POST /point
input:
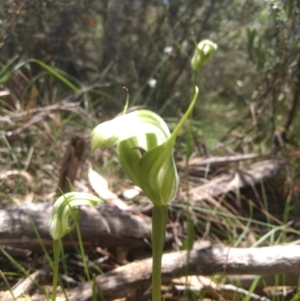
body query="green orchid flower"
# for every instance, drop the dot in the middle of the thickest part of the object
(65, 208)
(203, 52)
(145, 150)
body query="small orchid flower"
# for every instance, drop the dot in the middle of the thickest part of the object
(203, 52)
(65, 208)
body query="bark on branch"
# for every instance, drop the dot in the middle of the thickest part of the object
(106, 226)
(203, 260)
(236, 180)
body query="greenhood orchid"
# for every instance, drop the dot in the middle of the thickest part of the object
(64, 211)
(203, 53)
(145, 150)
(66, 207)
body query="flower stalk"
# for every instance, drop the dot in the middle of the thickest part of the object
(159, 225)
(145, 150)
(65, 209)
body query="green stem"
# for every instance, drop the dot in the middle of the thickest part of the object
(56, 249)
(159, 225)
(194, 78)
(84, 259)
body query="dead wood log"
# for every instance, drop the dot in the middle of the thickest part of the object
(234, 181)
(27, 285)
(216, 161)
(106, 226)
(215, 291)
(245, 281)
(203, 260)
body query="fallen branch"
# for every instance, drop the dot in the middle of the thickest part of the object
(106, 226)
(236, 180)
(216, 161)
(203, 260)
(109, 226)
(245, 281)
(27, 285)
(221, 292)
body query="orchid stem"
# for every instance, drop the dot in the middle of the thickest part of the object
(159, 225)
(56, 252)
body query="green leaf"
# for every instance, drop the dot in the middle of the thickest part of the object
(4, 78)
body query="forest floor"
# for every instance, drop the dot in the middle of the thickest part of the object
(225, 199)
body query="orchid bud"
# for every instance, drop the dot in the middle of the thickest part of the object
(203, 52)
(66, 206)
(145, 150)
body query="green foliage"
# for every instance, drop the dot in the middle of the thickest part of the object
(273, 46)
(7, 75)
(145, 48)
